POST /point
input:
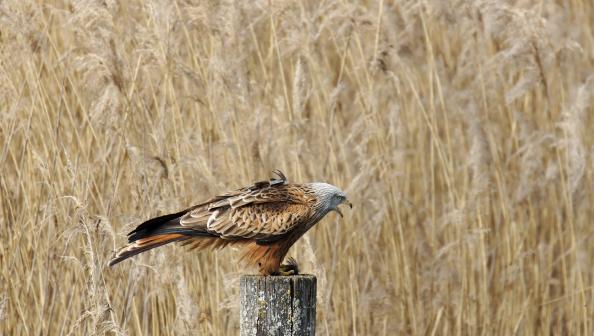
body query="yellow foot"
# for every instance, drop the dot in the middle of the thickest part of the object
(290, 268)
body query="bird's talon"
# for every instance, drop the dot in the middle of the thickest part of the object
(290, 268)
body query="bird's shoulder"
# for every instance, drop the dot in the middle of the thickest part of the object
(262, 192)
(262, 196)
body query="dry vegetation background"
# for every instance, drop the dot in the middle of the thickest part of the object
(461, 130)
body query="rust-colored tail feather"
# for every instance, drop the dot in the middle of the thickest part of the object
(145, 244)
(157, 232)
(202, 243)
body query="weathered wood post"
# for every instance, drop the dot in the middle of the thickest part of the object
(278, 305)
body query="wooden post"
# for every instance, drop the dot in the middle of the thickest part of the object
(278, 305)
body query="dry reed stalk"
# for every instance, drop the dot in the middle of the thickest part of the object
(462, 134)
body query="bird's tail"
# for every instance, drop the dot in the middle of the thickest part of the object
(158, 232)
(145, 244)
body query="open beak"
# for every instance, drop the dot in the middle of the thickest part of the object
(345, 202)
(339, 212)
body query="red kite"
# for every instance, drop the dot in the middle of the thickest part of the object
(264, 219)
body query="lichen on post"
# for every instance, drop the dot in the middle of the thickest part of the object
(278, 305)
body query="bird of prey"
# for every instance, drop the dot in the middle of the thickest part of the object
(264, 220)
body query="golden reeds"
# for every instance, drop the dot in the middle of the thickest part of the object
(463, 134)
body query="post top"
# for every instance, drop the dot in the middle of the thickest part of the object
(278, 305)
(280, 277)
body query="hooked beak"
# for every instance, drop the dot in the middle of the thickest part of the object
(347, 202)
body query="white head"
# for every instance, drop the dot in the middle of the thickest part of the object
(330, 197)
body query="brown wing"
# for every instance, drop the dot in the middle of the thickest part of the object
(260, 221)
(258, 214)
(262, 211)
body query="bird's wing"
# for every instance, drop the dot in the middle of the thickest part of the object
(261, 212)
(261, 221)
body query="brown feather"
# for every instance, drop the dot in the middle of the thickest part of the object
(137, 247)
(201, 243)
(266, 257)
(265, 219)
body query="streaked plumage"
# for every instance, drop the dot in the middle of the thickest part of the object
(264, 219)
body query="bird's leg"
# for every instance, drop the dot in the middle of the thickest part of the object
(290, 268)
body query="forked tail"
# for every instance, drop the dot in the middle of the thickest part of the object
(158, 232)
(145, 244)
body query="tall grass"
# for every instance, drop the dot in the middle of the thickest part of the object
(462, 132)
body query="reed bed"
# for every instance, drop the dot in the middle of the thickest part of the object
(462, 132)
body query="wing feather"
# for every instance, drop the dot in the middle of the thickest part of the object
(260, 221)
(261, 211)
(257, 215)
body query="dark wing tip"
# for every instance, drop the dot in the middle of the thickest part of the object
(153, 224)
(281, 177)
(114, 261)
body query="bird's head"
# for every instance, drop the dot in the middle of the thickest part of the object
(330, 197)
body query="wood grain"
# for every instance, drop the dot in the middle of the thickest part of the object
(278, 305)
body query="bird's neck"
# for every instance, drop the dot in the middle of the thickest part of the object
(320, 212)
